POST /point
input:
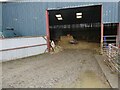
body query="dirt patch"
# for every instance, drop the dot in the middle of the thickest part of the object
(65, 44)
(90, 80)
(0, 75)
(66, 69)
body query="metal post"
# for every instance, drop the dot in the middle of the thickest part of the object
(47, 31)
(102, 27)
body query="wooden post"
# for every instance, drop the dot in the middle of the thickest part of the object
(47, 31)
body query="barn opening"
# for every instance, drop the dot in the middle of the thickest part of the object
(110, 34)
(82, 23)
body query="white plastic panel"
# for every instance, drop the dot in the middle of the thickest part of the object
(21, 53)
(13, 53)
(21, 42)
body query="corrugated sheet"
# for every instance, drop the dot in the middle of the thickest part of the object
(64, 0)
(28, 19)
(25, 18)
(119, 11)
(0, 17)
(110, 12)
(110, 9)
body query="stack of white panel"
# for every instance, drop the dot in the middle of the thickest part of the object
(16, 48)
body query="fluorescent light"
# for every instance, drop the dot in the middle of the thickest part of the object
(60, 18)
(78, 16)
(59, 15)
(78, 13)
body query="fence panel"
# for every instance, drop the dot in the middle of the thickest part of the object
(113, 58)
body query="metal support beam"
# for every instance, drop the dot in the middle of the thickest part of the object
(47, 31)
(102, 29)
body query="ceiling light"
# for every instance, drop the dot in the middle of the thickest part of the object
(59, 15)
(60, 18)
(78, 14)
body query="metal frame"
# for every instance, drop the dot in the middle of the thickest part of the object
(112, 58)
(102, 30)
(47, 31)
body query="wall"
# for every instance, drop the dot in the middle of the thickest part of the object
(119, 12)
(28, 19)
(24, 18)
(119, 22)
(0, 25)
(0, 17)
(16, 48)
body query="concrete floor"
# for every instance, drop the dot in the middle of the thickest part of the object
(66, 69)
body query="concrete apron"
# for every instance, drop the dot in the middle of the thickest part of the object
(112, 78)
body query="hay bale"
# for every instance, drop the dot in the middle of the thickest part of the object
(66, 38)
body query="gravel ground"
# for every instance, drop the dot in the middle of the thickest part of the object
(0, 75)
(66, 69)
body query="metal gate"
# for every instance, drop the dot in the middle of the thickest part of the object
(113, 58)
(111, 51)
(108, 39)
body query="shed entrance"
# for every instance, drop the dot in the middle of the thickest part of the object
(81, 24)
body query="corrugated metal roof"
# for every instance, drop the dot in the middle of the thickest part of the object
(61, 0)
(110, 9)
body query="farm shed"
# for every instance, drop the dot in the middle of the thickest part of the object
(0, 18)
(28, 27)
(17, 15)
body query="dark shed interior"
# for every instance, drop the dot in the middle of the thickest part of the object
(87, 27)
(110, 29)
